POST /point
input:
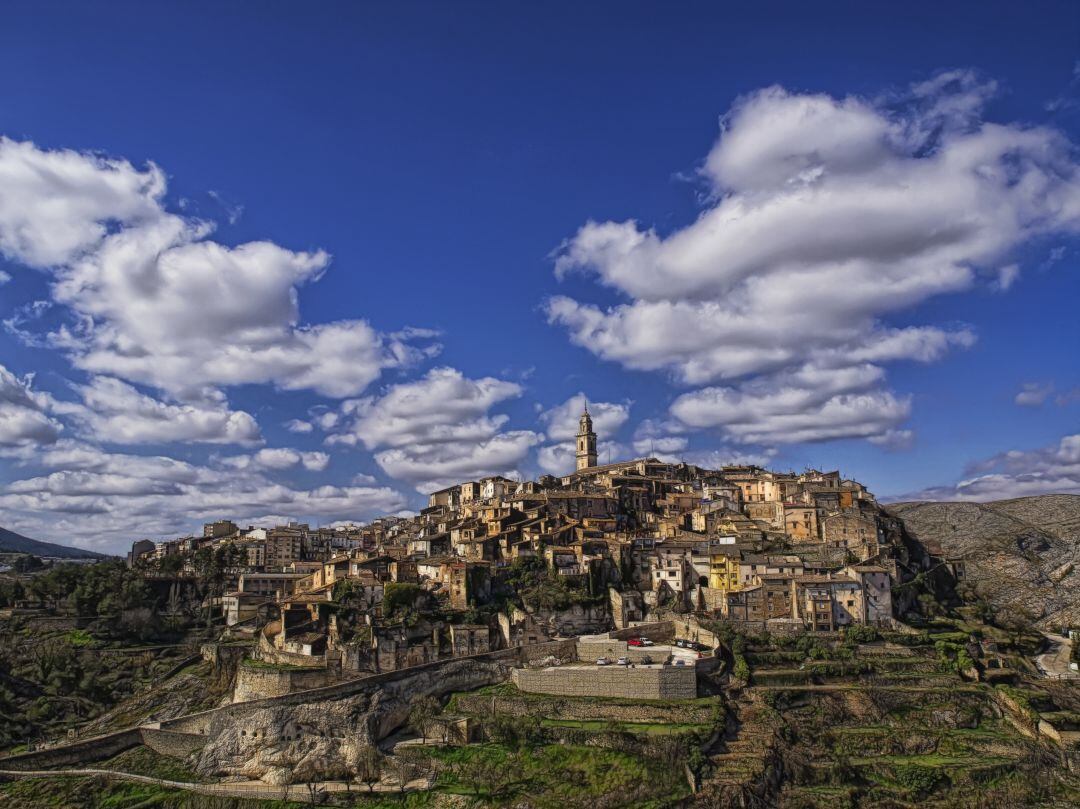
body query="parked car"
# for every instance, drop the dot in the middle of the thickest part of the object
(603, 661)
(682, 644)
(646, 642)
(623, 661)
(680, 662)
(635, 642)
(699, 647)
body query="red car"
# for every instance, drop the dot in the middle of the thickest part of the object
(635, 642)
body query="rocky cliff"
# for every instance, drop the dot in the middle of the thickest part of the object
(315, 741)
(1020, 555)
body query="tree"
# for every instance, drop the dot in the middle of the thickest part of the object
(366, 764)
(407, 765)
(422, 714)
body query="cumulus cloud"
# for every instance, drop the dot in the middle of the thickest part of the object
(279, 458)
(828, 215)
(23, 417)
(105, 500)
(809, 404)
(299, 426)
(115, 412)
(438, 429)
(1019, 473)
(154, 300)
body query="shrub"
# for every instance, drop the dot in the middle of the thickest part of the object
(918, 780)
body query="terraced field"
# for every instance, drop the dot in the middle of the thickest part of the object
(891, 725)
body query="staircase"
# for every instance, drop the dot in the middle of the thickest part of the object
(744, 767)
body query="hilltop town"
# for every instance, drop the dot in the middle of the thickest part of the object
(602, 547)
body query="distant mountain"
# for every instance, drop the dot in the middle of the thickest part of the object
(1021, 554)
(10, 542)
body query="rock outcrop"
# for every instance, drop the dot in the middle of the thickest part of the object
(292, 743)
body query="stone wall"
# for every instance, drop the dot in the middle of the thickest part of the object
(689, 628)
(576, 620)
(258, 683)
(657, 631)
(661, 682)
(589, 649)
(483, 705)
(92, 749)
(170, 743)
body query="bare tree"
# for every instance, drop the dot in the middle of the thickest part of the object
(367, 764)
(422, 714)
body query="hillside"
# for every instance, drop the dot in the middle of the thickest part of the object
(10, 542)
(1019, 554)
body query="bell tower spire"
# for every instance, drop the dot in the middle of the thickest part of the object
(586, 441)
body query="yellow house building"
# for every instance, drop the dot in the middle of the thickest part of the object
(724, 572)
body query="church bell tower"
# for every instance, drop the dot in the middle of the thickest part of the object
(586, 441)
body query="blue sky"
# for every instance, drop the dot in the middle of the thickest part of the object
(445, 156)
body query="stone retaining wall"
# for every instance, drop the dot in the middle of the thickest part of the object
(170, 743)
(96, 748)
(483, 705)
(658, 632)
(662, 682)
(258, 683)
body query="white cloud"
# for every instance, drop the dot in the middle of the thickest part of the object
(437, 429)
(809, 404)
(434, 466)
(4, 277)
(1033, 394)
(278, 458)
(23, 417)
(828, 215)
(561, 422)
(155, 301)
(55, 205)
(1018, 473)
(667, 445)
(726, 456)
(105, 500)
(299, 426)
(115, 412)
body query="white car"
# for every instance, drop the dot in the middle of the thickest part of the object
(623, 661)
(603, 661)
(647, 642)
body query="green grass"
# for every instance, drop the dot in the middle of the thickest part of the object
(935, 760)
(650, 728)
(78, 637)
(144, 761)
(557, 776)
(95, 793)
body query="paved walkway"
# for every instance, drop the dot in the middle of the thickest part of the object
(242, 789)
(1054, 663)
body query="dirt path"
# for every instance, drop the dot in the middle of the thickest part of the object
(249, 789)
(1054, 663)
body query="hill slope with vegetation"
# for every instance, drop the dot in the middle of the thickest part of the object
(1020, 556)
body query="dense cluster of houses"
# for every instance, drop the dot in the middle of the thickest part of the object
(805, 551)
